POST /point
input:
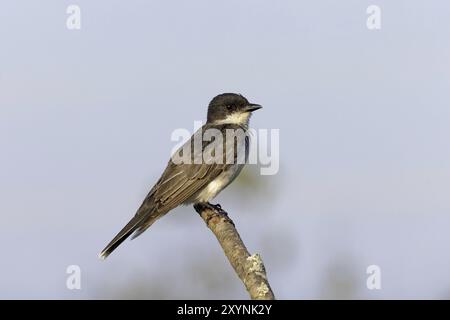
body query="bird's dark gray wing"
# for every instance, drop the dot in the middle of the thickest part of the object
(178, 184)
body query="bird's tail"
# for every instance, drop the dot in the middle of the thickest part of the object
(131, 227)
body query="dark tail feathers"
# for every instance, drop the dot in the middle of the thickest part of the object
(131, 226)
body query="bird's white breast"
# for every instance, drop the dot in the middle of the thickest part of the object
(218, 184)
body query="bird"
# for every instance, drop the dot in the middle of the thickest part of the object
(197, 182)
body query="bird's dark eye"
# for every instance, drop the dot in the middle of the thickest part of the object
(229, 107)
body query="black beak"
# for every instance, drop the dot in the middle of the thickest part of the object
(252, 107)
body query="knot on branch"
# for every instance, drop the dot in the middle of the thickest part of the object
(255, 265)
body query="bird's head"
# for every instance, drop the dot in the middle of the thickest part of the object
(230, 108)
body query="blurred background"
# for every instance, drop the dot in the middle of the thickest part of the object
(85, 123)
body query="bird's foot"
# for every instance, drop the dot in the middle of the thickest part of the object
(200, 207)
(216, 208)
(216, 211)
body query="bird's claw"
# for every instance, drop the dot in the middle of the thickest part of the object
(214, 207)
(218, 208)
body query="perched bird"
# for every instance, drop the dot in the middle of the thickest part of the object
(197, 182)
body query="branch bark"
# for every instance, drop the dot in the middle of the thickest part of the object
(249, 268)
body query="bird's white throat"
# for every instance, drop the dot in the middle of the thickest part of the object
(239, 118)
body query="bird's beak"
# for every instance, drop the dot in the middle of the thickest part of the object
(252, 107)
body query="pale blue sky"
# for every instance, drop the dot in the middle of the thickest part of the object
(85, 124)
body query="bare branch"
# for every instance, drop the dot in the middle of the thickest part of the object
(249, 268)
